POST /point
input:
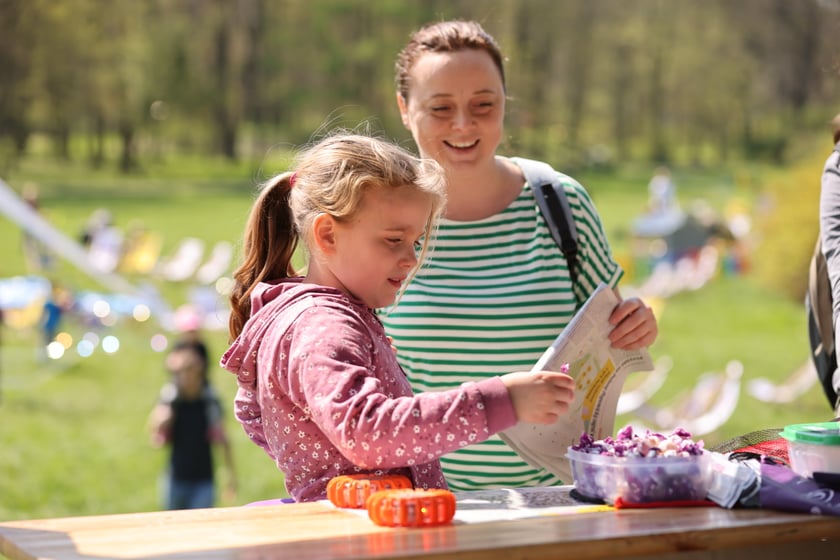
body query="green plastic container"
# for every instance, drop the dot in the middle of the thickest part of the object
(813, 448)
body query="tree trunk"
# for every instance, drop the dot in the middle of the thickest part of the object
(127, 160)
(580, 65)
(225, 123)
(622, 80)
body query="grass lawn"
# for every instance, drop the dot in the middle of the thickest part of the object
(72, 431)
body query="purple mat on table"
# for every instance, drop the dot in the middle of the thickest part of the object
(782, 489)
(275, 502)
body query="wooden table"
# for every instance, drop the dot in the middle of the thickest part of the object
(317, 531)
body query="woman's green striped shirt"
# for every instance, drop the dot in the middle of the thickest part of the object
(490, 297)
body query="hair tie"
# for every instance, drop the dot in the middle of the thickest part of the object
(292, 179)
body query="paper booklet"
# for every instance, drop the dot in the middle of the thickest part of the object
(599, 371)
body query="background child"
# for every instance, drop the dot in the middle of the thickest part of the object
(320, 389)
(188, 418)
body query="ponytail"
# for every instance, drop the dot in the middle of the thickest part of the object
(269, 242)
(331, 178)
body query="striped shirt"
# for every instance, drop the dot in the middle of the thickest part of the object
(490, 297)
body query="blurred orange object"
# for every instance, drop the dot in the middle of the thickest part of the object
(411, 508)
(353, 490)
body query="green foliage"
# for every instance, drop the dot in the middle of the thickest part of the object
(787, 225)
(681, 82)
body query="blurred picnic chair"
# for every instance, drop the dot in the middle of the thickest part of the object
(709, 404)
(141, 252)
(105, 248)
(217, 264)
(182, 264)
(22, 300)
(632, 398)
(797, 383)
(687, 273)
(723, 405)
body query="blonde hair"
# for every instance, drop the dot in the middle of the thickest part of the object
(331, 177)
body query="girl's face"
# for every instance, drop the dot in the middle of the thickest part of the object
(455, 107)
(374, 252)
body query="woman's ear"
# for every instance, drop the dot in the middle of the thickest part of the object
(323, 233)
(401, 103)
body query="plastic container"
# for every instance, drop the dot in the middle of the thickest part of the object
(640, 479)
(813, 448)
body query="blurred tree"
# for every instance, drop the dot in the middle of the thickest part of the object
(580, 65)
(17, 37)
(641, 79)
(660, 55)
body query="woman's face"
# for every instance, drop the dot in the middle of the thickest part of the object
(455, 107)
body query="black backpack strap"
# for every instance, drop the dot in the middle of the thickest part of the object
(552, 201)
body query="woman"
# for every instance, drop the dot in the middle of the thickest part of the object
(496, 290)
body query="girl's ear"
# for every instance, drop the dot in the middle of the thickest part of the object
(323, 233)
(403, 109)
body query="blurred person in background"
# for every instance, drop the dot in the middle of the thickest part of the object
(103, 240)
(37, 256)
(59, 302)
(662, 193)
(188, 419)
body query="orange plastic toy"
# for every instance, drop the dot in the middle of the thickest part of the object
(353, 490)
(411, 508)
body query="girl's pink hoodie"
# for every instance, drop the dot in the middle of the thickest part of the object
(320, 390)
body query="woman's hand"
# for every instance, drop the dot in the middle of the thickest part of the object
(634, 325)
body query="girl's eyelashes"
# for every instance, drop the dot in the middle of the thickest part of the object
(396, 242)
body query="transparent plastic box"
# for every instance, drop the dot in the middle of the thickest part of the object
(813, 448)
(640, 479)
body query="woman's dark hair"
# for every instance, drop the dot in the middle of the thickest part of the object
(445, 37)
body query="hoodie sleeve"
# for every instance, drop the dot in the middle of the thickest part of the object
(344, 373)
(241, 360)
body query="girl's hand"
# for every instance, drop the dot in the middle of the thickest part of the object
(634, 325)
(540, 397)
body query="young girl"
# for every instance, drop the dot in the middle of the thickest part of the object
(320, 389)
